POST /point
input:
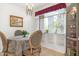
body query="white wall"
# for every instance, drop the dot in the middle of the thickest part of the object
(17, 9)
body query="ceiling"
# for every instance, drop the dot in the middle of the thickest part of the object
(37, 6)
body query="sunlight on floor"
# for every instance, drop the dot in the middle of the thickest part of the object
(49, 52)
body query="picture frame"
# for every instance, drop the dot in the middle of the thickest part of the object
(16, 21)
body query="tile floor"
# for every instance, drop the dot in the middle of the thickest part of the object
(49, 52)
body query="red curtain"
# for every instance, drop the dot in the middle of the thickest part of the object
(52, 8)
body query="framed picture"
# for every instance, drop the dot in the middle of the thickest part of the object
(16, 21)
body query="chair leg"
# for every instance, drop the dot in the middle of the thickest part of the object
(5, 54)
(31, 51)
(39, 50)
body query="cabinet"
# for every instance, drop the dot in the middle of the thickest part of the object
(72, 32)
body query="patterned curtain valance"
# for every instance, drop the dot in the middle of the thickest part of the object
(52, 8)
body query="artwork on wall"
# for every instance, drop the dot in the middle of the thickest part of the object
(16, 21)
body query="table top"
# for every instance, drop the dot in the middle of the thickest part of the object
(19, 38)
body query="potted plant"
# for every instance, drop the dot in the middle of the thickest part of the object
(72, 52)
(46, 30)
(24, 33)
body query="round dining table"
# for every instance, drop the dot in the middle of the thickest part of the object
(17, 45)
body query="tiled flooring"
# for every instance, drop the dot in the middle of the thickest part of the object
(49, 52)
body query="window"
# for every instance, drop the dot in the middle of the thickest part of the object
(46, 24)
(55, 23)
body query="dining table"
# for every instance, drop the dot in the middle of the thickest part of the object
(17, 45)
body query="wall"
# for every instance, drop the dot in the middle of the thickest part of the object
(17, 9)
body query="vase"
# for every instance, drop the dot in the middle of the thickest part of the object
(24, 35)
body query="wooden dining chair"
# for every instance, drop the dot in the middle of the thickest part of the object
(34, 43)
(6, 51)
(4, 43)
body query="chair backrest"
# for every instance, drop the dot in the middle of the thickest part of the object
(36, 38)
(18, 33)
(4, 41)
